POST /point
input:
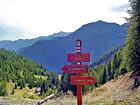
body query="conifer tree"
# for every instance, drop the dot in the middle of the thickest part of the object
(132, 49)
(104, 78)
(3, 91)
(109, 71)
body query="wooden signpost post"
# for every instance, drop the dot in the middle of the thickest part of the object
(78, 68)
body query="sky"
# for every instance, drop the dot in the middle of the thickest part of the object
(32, 18)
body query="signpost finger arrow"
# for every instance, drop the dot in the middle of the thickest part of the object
(75, 69)
(78, 57)
(82, 80)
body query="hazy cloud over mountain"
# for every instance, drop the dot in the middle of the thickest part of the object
(121, 8)
(51, 16)
(11, 33)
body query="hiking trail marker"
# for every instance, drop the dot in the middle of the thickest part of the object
(78, 68)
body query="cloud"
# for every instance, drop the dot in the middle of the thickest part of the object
(51, 16)
(11, 33)
(121, 8)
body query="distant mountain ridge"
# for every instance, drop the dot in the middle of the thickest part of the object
(21, 43)
(106, 58)
(98, 38)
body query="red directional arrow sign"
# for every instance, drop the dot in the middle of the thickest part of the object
(78, 57)
(82, 80)
(75, 69)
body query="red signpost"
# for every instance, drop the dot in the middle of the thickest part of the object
(78, 69)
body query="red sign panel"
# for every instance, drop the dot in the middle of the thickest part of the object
(79, 57)
(75, 69)
(82, 80)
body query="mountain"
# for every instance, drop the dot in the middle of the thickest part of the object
(98, 38)
(59, 34)
(106, 58)
(21, 43)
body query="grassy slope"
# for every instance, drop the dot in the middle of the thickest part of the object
(25, 92)
(115, 92)
(20, 97)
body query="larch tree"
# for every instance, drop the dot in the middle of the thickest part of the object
(132, 49)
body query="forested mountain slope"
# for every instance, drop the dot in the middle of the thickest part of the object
(22, 73)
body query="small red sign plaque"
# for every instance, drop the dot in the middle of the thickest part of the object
(82, 80)
(75, 69)
(79, 57)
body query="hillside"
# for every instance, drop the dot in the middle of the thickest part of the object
(95, 36)
(20, 77)
(115, 92)
(106, 58)
(11, 64)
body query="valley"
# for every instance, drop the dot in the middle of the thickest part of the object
(45, 50)
(115, 92)
(69, 52)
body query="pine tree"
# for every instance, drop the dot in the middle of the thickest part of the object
(104, 78)
(3, 91)
(132, 49)
(109, 71)
(15, 86)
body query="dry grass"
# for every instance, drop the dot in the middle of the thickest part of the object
(115, 92)
(17, 101)
(23, 93)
